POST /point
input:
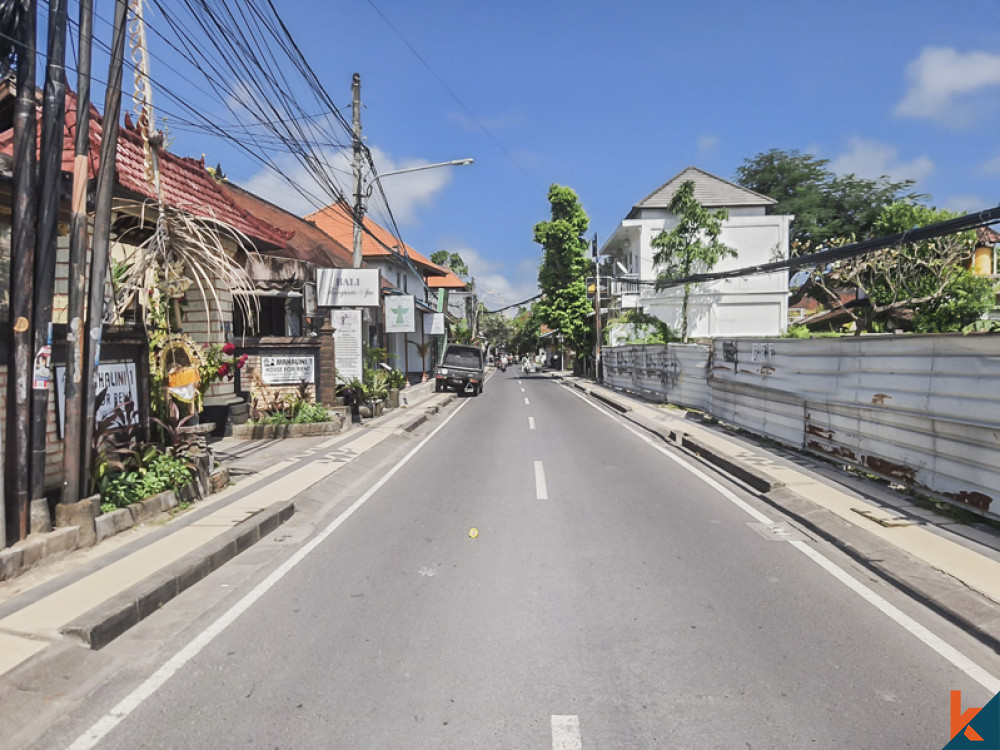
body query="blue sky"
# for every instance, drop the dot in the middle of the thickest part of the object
(614, 98)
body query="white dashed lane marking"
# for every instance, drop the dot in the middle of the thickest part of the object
(566, 733)
(531, 423)
(541, 491)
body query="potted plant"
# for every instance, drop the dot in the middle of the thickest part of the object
(375, 387)
(397, 380)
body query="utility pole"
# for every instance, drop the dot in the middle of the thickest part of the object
(46, 238)
(23, 213)
(93, 329)
(597, 314)
(359, 196)
(77, 262)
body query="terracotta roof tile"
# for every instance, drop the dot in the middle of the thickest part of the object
(337, 220)
(450, 281)
(307, 242)
(186, 185)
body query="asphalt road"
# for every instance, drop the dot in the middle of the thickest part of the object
(611, 599)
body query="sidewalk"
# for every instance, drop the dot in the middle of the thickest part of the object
(96, 594)
(952, 567)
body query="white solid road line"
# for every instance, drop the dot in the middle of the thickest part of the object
(531, 423)
(939, 645)
(541, 491)
(133, 700)
(566, 733)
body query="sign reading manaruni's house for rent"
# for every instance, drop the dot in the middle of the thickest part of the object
(286, 370)
(347, 287)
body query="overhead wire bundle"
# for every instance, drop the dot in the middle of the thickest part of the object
(247, 82)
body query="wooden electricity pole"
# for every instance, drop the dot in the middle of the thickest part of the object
(359, 195)
(94, 327)
(23, 212)
(77, 264)
(46, 238)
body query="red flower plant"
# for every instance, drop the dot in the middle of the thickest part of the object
(223, 370)
(228, 348)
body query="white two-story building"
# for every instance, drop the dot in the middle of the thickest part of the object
(746, 306)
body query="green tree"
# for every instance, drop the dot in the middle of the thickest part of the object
(562, 276)
(496, 329)
(452, 261)
(690, 247)
(924, 286)
(826, 206)
(525, 329)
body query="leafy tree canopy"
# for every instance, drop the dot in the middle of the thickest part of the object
(562, 276)
(525, 329)
(452, 261)
(924, 286)
(826, 206)
(692, 246)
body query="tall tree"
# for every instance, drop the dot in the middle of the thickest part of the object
(562, 276)
(826, 206)
(924, 286)
(690, 247)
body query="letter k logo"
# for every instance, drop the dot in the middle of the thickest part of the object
(960, 720)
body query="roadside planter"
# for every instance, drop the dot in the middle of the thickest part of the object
(249, 431)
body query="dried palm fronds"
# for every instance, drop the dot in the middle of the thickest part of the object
(185, 249)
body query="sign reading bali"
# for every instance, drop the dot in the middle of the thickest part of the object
(347, 287)
(279, 370)
(399, 315)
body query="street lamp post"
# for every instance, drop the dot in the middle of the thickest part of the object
(359, 192)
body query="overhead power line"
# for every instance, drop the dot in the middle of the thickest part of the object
(855, 249)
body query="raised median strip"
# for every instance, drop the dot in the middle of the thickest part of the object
(102, 624)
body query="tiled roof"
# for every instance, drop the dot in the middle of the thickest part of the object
(337, 220)
(451, 281)
(186, 185)
(308, 242)
(709, 190)
(987, 236)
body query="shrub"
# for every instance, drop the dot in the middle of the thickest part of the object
(157, 472)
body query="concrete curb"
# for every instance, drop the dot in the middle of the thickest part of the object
(107, 621)
(415, 423)
(975, 613)
(759, 480)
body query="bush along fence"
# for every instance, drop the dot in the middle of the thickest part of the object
(921, 411)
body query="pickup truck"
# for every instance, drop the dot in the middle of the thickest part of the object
(461, 367)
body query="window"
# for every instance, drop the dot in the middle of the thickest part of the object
(277, 316)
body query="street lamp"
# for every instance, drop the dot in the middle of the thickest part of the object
(359, 208)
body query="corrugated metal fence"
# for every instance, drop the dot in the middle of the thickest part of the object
(923, 411)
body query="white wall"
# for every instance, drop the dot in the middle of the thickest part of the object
(745, 306)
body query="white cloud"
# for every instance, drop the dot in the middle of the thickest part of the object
(406, 193)
(941, 81)
(866, 157)
(965, 203)
(707, 143)
(992, 167)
